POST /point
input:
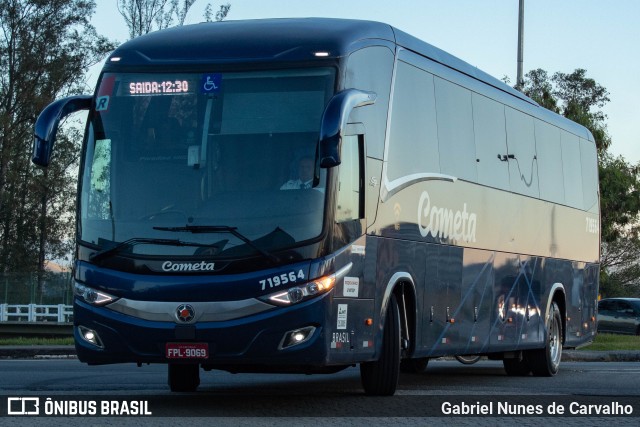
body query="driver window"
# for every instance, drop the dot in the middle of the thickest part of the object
(349, 197)
(100, 184)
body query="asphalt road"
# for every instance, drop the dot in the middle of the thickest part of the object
(264, 399)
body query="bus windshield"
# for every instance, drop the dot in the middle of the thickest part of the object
(170, 155)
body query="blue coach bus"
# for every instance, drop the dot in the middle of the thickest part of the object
(303, 195)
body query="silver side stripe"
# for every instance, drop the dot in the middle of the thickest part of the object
(217, 311)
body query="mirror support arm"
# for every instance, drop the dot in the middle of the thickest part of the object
(334, 120)
(46, 126)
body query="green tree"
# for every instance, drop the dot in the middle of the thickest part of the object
(220, 15)
(575, 96)
(580, 99)
(538, 86)
(620, 226)
(46, 46)
(144, 16)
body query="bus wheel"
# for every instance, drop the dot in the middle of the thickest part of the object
(184, 378)
(546, 361)
(468, 359)
(380, 378)
(414, 366)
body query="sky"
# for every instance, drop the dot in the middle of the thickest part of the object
(559, 35)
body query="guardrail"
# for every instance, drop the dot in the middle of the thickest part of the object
(36, 313)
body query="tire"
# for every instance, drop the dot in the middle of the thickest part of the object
(469, 359)
(184, 378)
(380, 378)
(517, 367)
(414, 366)
(545, 362)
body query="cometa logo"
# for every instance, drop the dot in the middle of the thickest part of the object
(446, 223)
(188, 266)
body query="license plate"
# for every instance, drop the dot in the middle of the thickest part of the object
(180, 350)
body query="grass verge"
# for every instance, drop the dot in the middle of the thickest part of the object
(612, 342)
(36, 341)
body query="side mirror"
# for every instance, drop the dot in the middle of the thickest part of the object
(47, 125)
(334, 119)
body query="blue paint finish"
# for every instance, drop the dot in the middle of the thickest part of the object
(476, 301)
(252, 339)
(180, 287)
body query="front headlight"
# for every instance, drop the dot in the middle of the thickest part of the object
(306, 291)
(92, 296)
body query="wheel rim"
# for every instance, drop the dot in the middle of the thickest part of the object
(555, 346)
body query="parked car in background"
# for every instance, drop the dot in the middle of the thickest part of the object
(619, 315)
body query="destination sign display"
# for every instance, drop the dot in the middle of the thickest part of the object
(151, 87)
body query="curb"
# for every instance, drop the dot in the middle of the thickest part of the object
(37, 352)
(601, 356)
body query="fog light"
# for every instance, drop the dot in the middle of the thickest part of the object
(296, 337)
(90, 336)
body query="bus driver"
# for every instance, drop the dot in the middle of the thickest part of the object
(305, 176)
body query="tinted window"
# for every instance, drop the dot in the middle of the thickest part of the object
(455, 130)
(413, 141)
(371, 69)
(167, 150)
(549, 153)
(605, 306)
(523, 169)
(491, 141)
(589, 175)
(624, 308)
(348, 197)
(572, 170)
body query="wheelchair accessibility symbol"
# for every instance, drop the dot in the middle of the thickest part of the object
(210, 83)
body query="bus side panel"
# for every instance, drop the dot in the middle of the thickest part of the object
(582, 292)
(471, 307)
(349, 338)
(516, 315)
(476, 301)
(443, 293)
(400, 261)
(476, 312)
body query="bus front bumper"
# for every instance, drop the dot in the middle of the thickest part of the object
(105, 336)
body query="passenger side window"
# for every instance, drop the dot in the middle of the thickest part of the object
(549, 153)
(491, 141)
(572, 170)
(455, 130)
(413, 140)
(523, 167)
(589, 175)
(604, 307)
(349, 199)
(624, 309)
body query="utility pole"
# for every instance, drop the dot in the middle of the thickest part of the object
(520, 78)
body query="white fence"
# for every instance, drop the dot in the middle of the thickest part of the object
(59, 313)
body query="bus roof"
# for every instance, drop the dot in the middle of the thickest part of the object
(293, 40)
(270, 40)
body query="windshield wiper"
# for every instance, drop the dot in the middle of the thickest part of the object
(221, 229)
(97, 256)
